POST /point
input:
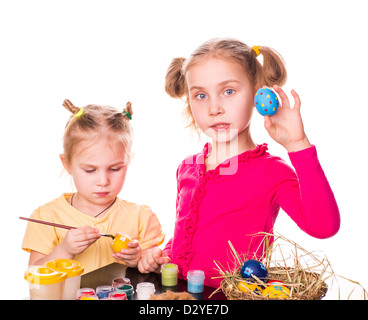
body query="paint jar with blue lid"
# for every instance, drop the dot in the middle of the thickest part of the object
(195, 281)
(103, 291)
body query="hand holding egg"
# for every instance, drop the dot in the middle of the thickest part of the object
(121, 242)
(285, 126)
(126, 249)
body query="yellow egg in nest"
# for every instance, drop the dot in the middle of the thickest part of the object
(120, 242)
(276, 291)
(247, 286)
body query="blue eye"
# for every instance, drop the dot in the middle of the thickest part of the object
(229, 92)
(201, 96)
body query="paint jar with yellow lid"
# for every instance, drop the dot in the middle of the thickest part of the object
(45, 283)
(73, 270)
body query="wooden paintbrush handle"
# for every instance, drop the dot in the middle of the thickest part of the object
(48, 223)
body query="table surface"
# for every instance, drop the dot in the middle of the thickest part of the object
(105, 275)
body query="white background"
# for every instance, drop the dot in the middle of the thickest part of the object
(109, 52)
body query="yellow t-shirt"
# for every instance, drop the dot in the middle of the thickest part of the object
(138, 221)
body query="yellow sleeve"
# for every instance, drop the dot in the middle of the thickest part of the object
(150, 231)
(38, 237)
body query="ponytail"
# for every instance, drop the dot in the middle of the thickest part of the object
(175, 85)
(128, 111)
(70, 107)
(273, 70)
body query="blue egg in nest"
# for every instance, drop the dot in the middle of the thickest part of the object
(256, 268)
(266, 102)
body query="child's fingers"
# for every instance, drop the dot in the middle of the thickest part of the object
(269, 126)
(130, 252)
(152, 259)
(133, 244)
(126, 257)
(145, 266)
(85, 236)
(160, 256)
(134, 248)
(79, 239)
(296, 99)
(164, 260)
(85, 233)
(87, 230)
(122, 256)
(283, 96)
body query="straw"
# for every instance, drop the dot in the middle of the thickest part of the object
(303, 272)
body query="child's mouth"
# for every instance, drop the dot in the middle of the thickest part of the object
(101, 194)
(220, 126)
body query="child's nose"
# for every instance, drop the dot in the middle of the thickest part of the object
(103, 179)
(215, 108)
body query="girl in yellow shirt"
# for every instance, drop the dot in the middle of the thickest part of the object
(97, 150)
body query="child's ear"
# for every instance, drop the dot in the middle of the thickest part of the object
(65, 163)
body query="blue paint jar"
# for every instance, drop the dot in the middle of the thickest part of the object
(195, 281)
(103, 291)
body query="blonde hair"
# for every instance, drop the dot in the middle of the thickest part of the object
(96, 120)
(271, 72)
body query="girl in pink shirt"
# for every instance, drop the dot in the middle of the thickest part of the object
(234, 188)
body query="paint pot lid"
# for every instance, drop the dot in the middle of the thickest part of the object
(71, 267)
(169, 267)
(104, 288)
(43, 275)
(117, 295)
(195, 275)
(144, 287)
(126, 288)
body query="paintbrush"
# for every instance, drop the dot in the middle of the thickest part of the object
(61, 226)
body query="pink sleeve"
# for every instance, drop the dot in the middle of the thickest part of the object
(305, 196)
(167, 249)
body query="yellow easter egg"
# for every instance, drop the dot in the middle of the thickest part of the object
(247, 286)
(120, 242)
(276, 291)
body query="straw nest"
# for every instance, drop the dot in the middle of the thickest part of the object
(301, 271)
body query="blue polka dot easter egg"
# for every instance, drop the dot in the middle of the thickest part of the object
(256, 268)
(266, 102)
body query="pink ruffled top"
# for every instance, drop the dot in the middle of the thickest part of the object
(241, 197)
